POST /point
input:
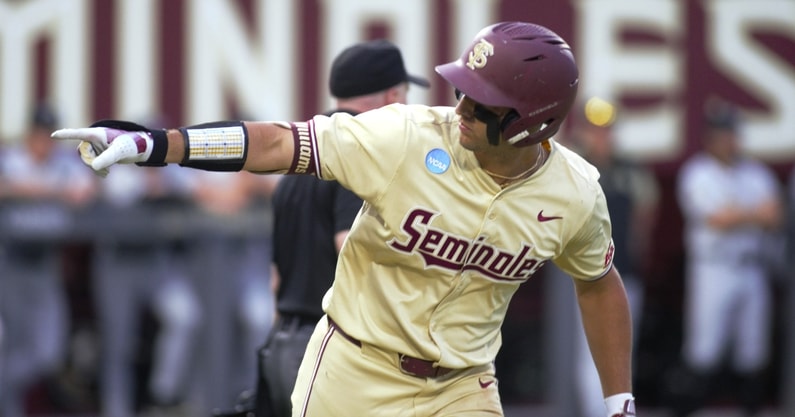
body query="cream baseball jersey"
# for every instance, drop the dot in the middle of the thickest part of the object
(439, 249)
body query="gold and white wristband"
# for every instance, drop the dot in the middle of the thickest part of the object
(218, 146)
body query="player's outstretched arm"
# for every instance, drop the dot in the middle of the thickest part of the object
(220, 146)
(607, 323)
(271, 147)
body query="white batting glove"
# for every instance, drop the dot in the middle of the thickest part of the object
(109, 142)
(620, 405)
(101, 147)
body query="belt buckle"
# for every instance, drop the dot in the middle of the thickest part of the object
(405, 361)
(402, 358)
(420, 372)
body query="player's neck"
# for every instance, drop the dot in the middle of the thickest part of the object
(510, 164)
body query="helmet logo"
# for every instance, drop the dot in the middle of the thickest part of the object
(479, 54)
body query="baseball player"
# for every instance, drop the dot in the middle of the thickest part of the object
(313, 218)
(461, 206)
(728, 202)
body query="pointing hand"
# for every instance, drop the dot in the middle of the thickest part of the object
(101, 147)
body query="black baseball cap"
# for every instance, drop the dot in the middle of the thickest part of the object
(369, 67)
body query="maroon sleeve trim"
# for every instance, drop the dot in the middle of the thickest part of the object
(305, 158)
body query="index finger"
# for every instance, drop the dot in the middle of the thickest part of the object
(91, 134)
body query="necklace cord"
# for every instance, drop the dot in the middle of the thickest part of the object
(521, 174)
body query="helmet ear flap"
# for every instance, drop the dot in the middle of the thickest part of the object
(509, 118)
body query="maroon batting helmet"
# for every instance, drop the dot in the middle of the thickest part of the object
(522, 66)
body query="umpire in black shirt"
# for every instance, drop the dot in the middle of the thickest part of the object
(311, 221)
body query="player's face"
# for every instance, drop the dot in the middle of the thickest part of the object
(472, 126)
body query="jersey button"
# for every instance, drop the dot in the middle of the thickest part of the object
(492, 216)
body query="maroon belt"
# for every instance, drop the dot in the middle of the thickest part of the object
(350, 338)
(408, 365)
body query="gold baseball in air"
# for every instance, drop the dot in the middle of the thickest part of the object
(599, 112)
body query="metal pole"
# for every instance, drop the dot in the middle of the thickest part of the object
(559, 332)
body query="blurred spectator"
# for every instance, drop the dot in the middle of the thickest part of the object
(2, 262)
(787, 391)
(790, 224)
(729, 202)
(234, 253)
(42, 183)
(140, 272)
(632, 195)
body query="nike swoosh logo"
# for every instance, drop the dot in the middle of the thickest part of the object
(543, 218)
(486, 384)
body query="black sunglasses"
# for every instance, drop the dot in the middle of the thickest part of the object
(481, 113)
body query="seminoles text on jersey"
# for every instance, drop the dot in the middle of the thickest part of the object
(441, 249)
